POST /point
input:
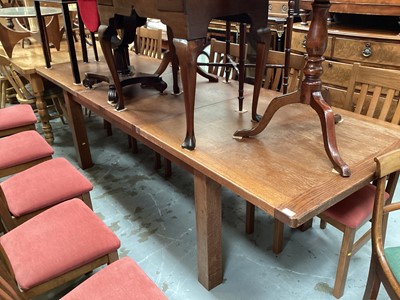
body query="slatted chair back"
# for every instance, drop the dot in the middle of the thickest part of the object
(218, 55)
(150, 41)
(273, 78)
(374, 92)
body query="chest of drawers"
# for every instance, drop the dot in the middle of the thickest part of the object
(346, 44)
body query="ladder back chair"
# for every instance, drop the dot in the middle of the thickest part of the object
(149, 42)
(385, 262)
(274, 71)
(374, 92)
(218, 56)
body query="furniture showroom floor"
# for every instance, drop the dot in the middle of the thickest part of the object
(155, 221)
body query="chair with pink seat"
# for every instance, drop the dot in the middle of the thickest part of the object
(53, 248)
(21, 151)
(34, 190)
(16, 118)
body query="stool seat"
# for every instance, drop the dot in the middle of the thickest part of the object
(121, 280)
(56, 241)
(22, 148)
(16, 118)
(42, 186)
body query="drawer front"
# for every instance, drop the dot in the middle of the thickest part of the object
(299, 43)
(367, 52)
(335, 73)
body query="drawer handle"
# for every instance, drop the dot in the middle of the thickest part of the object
(367, 51)
(304, 42)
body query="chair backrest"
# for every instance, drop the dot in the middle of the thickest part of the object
(149, 41)
(6, 69)
(217, 55)
(89, 14)
(388, 166)
(374, 92)
(274, 71)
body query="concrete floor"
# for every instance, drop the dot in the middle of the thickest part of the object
(155, 221)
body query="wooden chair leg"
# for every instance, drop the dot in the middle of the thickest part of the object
(250, 210)
(157, 161)
(277, 245)
(132, 143)
(307, 225)
(167, 168)
(107, 127)
(86, 198)
(322, 224)
(344, 261)
(373, 283)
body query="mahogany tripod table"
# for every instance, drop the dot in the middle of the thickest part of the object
(310, 91)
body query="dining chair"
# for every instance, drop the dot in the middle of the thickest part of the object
(149, 42)
(374, 92)
(29, 192)
(218, 59)
(273, 78)
(121, 280)
(53, 95)
(56, 246)
(21, 151)
(16, 118)
(385, 262)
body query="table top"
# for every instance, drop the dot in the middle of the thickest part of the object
(27, 12)
(27, 59)
(284, 170)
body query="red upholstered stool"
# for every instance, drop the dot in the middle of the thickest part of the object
(16, 118)
(21, 151)
(121, 280)
(29, 192)
(60, 244)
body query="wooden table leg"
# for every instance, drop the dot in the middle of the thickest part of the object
(187, 52)
(207, 194)
(77, 124)
(41, 105)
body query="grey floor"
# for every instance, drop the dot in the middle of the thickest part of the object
(155, 221)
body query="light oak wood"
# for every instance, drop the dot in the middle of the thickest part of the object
(307, 187)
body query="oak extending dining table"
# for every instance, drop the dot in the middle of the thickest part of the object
(283, 171)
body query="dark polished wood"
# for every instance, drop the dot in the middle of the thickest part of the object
(310, 92)
(188, 21)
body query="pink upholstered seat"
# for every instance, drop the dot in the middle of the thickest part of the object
(16, 116)
(121, 280)
(62, 238)
(355, 209)
(21, 148)
(40, 187)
